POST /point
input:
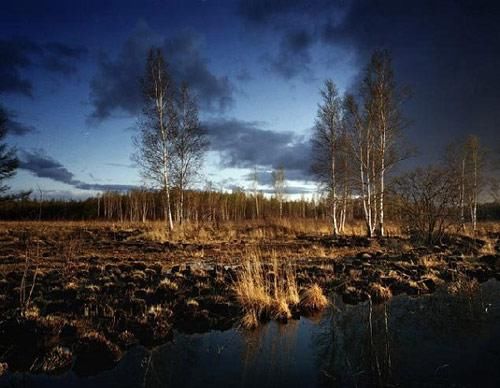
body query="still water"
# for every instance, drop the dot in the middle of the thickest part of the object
(436, 340)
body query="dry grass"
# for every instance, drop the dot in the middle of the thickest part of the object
(483, 229)
(379, 293)
(250, 320)
(489, 247)
(429, 261)
(265, 291)
(434, 278)
(168, 284)
(312, 299)
(463, 286)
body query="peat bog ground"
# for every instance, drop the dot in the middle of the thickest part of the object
(79, 296)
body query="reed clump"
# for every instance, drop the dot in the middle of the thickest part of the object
(270, 291)
(312, 299)
(379, 293)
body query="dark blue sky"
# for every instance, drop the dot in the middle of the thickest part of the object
(69, 78)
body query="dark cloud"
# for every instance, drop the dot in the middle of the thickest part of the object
(244, 144)
(14, 127)
(18, 56)
(295, 21)
(60, 58)
(116, 86)
(17, 128)
(186, 64)
(294, 55)
(446, 51)
(43, 166)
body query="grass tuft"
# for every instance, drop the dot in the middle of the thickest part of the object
(312, 299)
(379, 293)
(265, 291)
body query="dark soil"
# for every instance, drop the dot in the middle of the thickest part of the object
(92, 293)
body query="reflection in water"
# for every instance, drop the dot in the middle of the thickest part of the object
(432, 341)
(357, 346)
(436, 340)
(264, 357)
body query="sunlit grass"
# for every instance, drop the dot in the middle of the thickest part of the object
(271, 291)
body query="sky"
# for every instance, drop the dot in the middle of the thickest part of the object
(70, 71)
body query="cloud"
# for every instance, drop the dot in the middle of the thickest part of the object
(38, 163)
(294, 55)
(116, 85)
(18, 56)
(295, 21)
(124, 165)
(14, 127)
(446, 51)
(244, 144)
(187, 64)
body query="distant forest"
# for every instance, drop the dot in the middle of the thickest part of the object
(201, 206)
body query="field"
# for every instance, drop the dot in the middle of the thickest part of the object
(89, 291)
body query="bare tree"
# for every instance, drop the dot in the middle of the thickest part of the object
(344, 174)
(279, 187)
(384, 103)
(455, 159)
(8, 160)
(255, 189)
(428, 198)
(375, 132)
(467, 159)
(155, 143)
(190, 144)
(361, 141)
(475, 182)
(326, 146)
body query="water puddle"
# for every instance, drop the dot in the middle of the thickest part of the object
(436, 340)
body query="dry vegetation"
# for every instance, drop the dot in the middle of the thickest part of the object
(271, 292)
(93, 290)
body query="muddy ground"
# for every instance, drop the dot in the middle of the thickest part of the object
(78, 296)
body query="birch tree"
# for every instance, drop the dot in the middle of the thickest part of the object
(328, 131)
(189, 148)
(254, 176)
(375, 132)
(344, 176)
(384, 100)
(361, 143)
(475, 166)
(155, 142)
(278, 177)
(466, 158)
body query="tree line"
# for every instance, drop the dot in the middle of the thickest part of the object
(143, 205)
